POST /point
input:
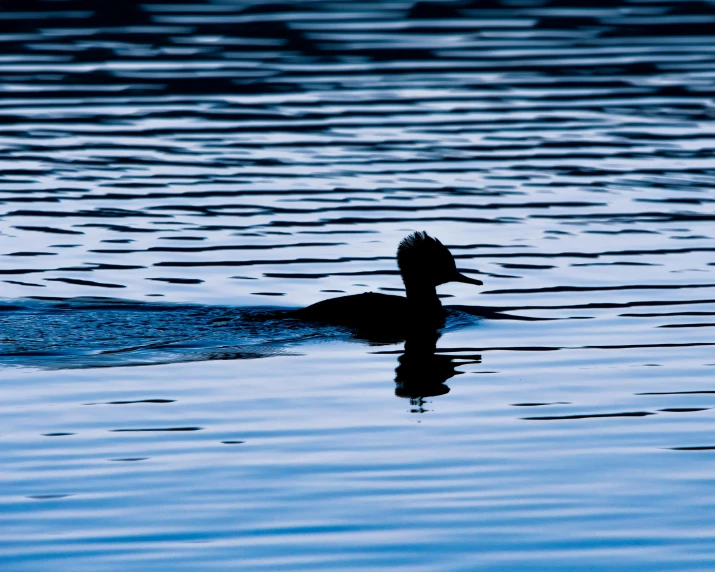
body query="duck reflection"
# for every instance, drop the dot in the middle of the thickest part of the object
(422, 372)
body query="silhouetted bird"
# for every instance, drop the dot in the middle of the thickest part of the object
(424, 264)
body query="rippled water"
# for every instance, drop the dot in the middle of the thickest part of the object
(175, 177)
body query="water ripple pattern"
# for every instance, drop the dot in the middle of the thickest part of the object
(175, 176)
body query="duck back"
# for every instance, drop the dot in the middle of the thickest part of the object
(375, 315)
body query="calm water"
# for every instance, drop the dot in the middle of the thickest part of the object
(176, 176)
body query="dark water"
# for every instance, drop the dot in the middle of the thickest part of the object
(177, 176)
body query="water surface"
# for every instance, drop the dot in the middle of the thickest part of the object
(175, 177)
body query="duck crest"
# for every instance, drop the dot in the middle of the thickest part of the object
(415, 246)
(422, 258)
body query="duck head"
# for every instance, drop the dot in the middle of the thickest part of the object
(425, 262)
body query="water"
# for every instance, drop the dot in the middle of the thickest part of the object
(176, 177)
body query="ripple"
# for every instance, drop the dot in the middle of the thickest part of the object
(160, 429)
(589, 416)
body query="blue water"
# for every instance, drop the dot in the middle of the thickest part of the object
(176, 178)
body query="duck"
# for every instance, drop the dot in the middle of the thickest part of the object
(424, 264)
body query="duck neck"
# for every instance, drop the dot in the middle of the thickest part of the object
(423, 298)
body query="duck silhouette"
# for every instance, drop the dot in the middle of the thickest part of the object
(424, 264)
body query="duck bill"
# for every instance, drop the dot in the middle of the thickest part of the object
(466, 279)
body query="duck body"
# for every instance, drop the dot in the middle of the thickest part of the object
(375, 316)
(424, 263)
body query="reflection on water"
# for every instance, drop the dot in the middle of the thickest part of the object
(175, 177)
(422, 372)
